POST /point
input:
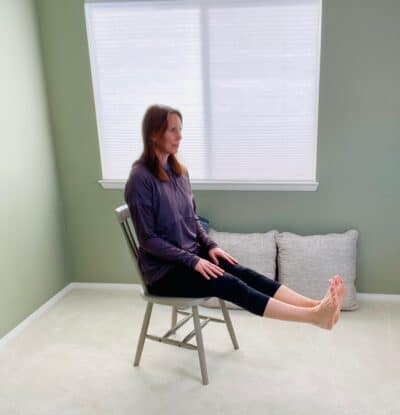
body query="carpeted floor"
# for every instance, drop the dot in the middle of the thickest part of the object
(77, 359)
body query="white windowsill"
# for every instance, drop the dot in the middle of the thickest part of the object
(300, 185)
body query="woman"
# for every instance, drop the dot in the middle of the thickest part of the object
(177, 258)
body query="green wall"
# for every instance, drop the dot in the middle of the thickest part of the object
(358, 148)
(33, 267)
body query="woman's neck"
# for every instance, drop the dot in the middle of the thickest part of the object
(162, 157)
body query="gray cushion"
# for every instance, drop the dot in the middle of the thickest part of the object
(305, 263)
(253, 250)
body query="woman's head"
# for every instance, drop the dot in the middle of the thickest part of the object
(161, 134)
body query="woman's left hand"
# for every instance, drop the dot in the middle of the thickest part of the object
(216, 252)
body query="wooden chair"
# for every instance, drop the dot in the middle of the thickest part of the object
(178, 304)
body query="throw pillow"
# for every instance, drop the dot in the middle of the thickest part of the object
(305, 263)
(253, 250)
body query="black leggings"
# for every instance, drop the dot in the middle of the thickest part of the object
(240, 285)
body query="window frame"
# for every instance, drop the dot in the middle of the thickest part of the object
(228, 185)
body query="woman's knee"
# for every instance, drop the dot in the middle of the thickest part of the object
(230, 285)
(233, 289)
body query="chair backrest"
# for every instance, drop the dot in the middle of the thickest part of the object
(128, 229)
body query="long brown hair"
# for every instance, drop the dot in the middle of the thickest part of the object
(155, 123)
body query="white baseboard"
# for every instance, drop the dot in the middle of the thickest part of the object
(130, 287)
(24, 323)
(386, 297)
(57, 297)
(105, 286)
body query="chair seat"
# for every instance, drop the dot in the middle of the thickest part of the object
(175, 301)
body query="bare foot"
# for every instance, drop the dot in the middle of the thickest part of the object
(340, 289)
(325, 311)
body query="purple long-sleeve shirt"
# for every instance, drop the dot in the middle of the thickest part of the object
(165, 221)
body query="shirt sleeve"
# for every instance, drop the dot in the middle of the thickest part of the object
(202, 236)
(139, 199)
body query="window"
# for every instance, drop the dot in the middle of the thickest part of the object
(243, 73)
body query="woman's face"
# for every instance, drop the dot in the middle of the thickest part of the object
(169, 142)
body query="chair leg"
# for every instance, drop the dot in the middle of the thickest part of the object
(228, 322)
(174, 317)
(200, 345)
(143, 333)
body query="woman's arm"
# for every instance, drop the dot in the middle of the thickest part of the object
(202, 236)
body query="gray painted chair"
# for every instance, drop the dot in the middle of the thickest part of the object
(178, 304)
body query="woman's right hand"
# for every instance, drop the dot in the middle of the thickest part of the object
(207, 269)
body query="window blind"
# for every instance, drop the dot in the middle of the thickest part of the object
(244, 74)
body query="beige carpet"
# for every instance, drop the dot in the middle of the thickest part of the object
(77, 359)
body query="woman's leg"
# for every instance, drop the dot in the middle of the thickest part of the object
(285, 295)
(324, 315)
(289, 296)
(262, 283)
(282, 293)
(187, 282)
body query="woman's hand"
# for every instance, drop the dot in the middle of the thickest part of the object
(216, 252)
(207, 269)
